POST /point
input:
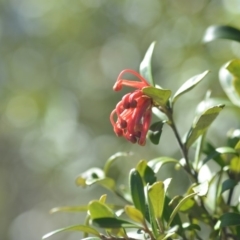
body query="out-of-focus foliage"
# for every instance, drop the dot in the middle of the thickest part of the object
(58, 62)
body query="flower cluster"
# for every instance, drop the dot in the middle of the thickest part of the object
(133, 111)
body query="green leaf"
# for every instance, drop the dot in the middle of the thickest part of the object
(230, 219)
(188, 85)
(81, 228)
(176, 209)
(90, 175)
(146, 172)
(176, 221)
(157, 163)
(109, 222)
(216, 153)
(134, 214)
(221, 32)
(99, 210)
(155, 132)
(201, 124)
(103, 198)
(160, 97)
(156, 194)
(190, 227)
(145, 66)
(233, 137)
(228, 184)
(95, 176)
(235, 164)
(229, 77)
(112, 159)
(69, 209)
(137, 191)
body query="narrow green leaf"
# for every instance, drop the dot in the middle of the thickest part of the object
(230, 80)
(176, 221)
(221, 32)
(103, 198)
(228, 184)
(109, 222)
(190, 227)
(215, 154)
(160, 96)
(188, 85)
(81, 228)
(229, 77)
(235, 165)
(134, 214)
(146, 172)
(155, 132)
(233, 137)
(230, 219)
(145, 66)
(99, 210)
(176, 209)
(156, 194)
(201, 124)
(90, 175)
(137, 191)
(112, 159)
(157, 163)
(69, 209)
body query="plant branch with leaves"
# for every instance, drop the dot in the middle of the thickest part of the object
(151, 213)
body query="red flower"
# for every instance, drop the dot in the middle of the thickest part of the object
(133, 111)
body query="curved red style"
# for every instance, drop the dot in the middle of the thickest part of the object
(133, 111)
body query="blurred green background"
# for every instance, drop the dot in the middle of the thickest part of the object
(58, 62)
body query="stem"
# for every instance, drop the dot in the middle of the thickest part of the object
(183, 148)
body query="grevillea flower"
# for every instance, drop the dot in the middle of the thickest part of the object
(133, 112)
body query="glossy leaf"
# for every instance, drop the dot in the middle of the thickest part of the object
(160, 96)
(229, 77)
(134, 214)
(157, 163)
(106, 182)
(219, 151)
(145, 66)
(156, 194)
(221, 32)
(81, 228)
(90, 175)
(146, 172)
(110, 222)
(188, 85)
(215, 154)
(155, 132)
(201, 189)
(69, 209)
(188, 226)
(233, 137)
(99, 210)
(112, 159)
(167, 211)
(176, 209)
(201, 124)
(137, 191)
(228, 184)
(230, 219)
